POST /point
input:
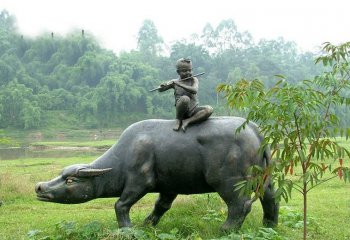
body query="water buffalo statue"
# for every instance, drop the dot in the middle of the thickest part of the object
(151, 157)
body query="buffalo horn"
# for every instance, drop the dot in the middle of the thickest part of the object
(88, 172)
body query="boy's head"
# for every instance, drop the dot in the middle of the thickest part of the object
(183, 63)
(184, 67)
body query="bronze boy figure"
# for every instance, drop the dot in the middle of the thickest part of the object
(186, 98)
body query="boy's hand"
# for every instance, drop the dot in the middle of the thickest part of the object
(171, 82)
(163, 86)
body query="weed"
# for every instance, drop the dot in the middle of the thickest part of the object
(128, 234)
(213, 215)
(95, 230)
(294, 219)
(260, 234)
(15, 184)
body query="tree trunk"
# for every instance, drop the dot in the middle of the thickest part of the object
(305, 209)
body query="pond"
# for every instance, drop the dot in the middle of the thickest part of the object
(12, 153)
(66, 144)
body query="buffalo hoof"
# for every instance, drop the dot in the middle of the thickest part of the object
(151, 220)
(230, 226)
(269, 223)
(227, 228)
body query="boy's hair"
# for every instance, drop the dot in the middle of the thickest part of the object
(183, 62)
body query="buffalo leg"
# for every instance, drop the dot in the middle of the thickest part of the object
(237, 207)
(162, 205)
(123, 205)
(237, 210)
(270, 208)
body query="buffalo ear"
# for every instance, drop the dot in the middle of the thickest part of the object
(90, 172)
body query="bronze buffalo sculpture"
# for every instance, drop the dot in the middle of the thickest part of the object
(150, 157)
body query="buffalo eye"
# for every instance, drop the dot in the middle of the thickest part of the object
(69, 181)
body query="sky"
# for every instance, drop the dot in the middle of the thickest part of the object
(115, 23)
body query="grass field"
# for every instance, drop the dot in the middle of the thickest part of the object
(191, 217)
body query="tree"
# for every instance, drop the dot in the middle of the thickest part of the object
(18, 107)
(31, 115)
(91, 69)
(7, 31)
(198, 54)
(6, 73)
(208, 36)
(225, 37)
(7, 22)
(148, 40)
(300, 125)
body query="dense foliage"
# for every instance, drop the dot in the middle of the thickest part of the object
(73, 78)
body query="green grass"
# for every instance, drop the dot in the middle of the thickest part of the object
(191, 217)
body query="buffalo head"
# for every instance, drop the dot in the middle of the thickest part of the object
(75, 184)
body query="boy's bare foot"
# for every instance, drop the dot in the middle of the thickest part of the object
(184, 125)
(177, 125)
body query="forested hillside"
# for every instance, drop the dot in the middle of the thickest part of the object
(72, 80)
